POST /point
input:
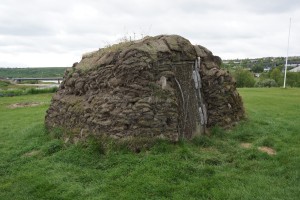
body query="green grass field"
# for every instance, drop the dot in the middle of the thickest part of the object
(37, 165)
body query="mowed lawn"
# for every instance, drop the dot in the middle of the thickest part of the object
(227, 165)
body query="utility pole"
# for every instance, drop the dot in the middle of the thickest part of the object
(287, 54)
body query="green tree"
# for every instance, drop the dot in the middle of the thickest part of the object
(257, 69)
(277, 76)
(264, 75)
(293, 79)
(244, 78)
(245, 63)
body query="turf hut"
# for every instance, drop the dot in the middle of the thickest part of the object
(159, 86)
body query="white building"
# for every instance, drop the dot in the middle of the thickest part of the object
(296, 69)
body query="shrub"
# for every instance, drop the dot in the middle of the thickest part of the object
(293, 79)
(4, 83)
(40, 91)
(277, 75)
(18, 92)
(244, 78)
(10, 93)
(266, 83)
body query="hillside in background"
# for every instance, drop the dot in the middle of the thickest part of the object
(256, 65)
(32, 72)
(264, 72)
(261, 64)
(257, 72)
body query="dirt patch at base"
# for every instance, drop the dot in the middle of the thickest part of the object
(267, 150)
(246, 145)
(24, 104)
(31, 153)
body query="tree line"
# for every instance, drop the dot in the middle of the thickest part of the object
(273, 78)
(244, 72)
(40, 72)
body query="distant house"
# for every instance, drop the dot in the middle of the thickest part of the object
(257, 75)
(296, 69)
(293, 65)
(266, 69)
(253, 60)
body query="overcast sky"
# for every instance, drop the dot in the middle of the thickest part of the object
(44, 33)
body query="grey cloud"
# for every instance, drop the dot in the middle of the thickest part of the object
(229, 28)
(24, 29)
(270, 6)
